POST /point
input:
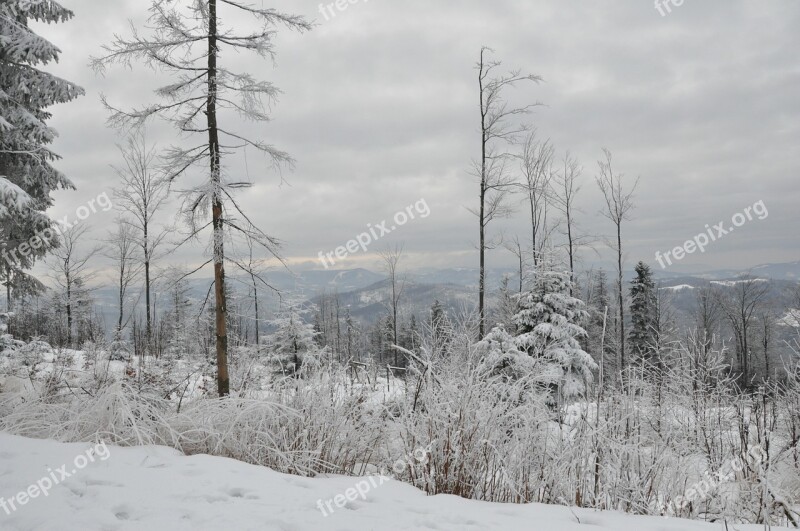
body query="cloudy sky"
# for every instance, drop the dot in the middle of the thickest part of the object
(379, 109)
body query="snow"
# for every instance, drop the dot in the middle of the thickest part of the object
(791, 318)
(731, 283)
(157, 488)
(679, 287)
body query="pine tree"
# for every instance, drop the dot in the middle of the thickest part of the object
(27, 177)
(502, 357)
(549, 329)
(642, 337)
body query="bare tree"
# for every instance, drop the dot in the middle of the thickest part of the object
(122, 250)
(767, 328)
(515, 247)
(740, 306)
(496, 133)
(142, 196)
(707, 319)
(252, 267)
(566, 190)
(185, 41)
(619, 203)
(391, 258)
(70, 269)
(537, 172)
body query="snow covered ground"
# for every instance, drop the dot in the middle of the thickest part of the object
(158, 489)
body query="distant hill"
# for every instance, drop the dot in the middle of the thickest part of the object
(364, 291)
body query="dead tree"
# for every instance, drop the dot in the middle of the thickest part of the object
(141, 196)
(498, 130)
(185, 41)
(619, 204)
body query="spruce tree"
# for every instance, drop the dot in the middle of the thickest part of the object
(549, 326)
(27, 176)
(643, 313)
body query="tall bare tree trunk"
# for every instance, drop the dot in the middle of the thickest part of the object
(220, 308)
(482, 214)
(9, 305)
(255, 301)
(149, 323)
(620, 299)
(69, 310)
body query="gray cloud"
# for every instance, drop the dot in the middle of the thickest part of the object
(380, 109)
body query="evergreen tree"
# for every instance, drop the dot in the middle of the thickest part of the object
(502, 357)
(27, 177)
(549, 328)
(643, 313)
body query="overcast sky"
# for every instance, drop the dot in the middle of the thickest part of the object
(379, 108)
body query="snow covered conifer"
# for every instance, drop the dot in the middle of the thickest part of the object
(27, 176)
(643, 313)
(549, 328)
(502, 357)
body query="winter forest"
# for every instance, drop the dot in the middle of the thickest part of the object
(352, 265)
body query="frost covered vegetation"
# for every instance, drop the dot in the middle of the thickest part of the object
(518, 417)
(564, 389)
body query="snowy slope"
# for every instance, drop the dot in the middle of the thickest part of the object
(157, 489)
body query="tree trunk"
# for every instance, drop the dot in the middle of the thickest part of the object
(220, 309)
(149, 322)
(571, 250)
(69, 311)
(9, 302)
(121, 302)
(766, 349)
(621, 300)
(482, 242)
(255, 301)
(8, 288)
(533, 229)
